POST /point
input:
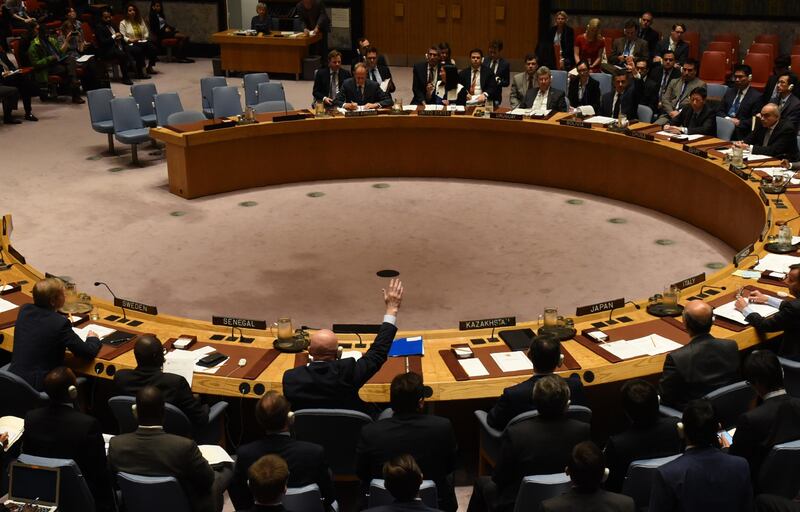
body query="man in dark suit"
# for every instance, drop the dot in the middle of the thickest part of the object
(331, 382)
(622, 100)
(358, 91)
(545, 354)
(360, 54)
(499, 67)
(787, 319)
(586, 471)
(306, 460)
(702, 365)
(329, 80)
(424, 75)
(268, 478)
(402, 478)
(480, 82)
(780, 66)
(658, 79)
(41, 335)
(677, 94)
(674, 43)
(314, 16)
(585, 90)
(378, 72)
(647, 33)
(773, 136)
(544, 97)
(60, 431)
(149, 451)
(149, 354)
(703, 478)
(740, 102)
(540, 445)
(696, 118)
(629, 45)
(429, 439)
(788, 103)
(110, 46)
(649, 435)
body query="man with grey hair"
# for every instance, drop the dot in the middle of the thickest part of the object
(774, 136)
(544, 97)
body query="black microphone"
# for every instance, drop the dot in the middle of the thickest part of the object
(784, 222)
(712, 287)
(634, 304)
(124, 316)
(285, 104)
(286, 115)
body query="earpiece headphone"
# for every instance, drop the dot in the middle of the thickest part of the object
(560, 360)
(72, 392)
(606, 472)
(791, 87)
(750, 77)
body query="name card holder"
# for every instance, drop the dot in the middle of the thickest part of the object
(219, 126)
(686, 283)
(641, 135)
(241, 323)
(739, 171)
(435, 113)
(739, 256)
(575, 123)
(493, 323)
(360, 113)
(763, 196)
(10, 288)
(608, 305)
(617, 129)
(131, 305)
(506, 115)
(695, 151)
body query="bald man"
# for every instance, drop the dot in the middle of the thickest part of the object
(774, 136)
(702, 365)
(331, 382)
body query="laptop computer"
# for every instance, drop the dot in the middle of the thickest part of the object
(36, 487)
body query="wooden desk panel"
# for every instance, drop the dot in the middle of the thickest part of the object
(263, 53)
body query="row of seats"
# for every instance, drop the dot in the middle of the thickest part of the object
(722, 54)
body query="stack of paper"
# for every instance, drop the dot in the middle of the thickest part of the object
(14, 427)
(352, 354)
(521, 111)
(181, 362)
(689, 138)
(730, 312)
(776, 262)
(473, 367)
(512, 361)
(650, 345)
(6, 306)
(214, 454)
(101, 330)
(545, 112)
(600, 120)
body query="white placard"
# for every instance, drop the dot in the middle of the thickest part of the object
(340, 18)
(6, 306)
(512, 361)
(474, 367)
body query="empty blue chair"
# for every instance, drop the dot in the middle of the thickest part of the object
(559, 80)
(271, 91)
(100, 114)
(303, 499)
(537, 488)
(144, 94)
(644, 113)
(791, 376)
(605, 81)
(336, 430)
(779, 471)
(74, 495)
(207, 85)
(19, 397)
(151, 493)
(128, 125)
(272, 106)
(175, 421)
(185, 117)
(227, 102)
(729, 402)
(251, 81)
(166, 103)
(725, 128)
(716, 90)
(378, 495)
(639, 479)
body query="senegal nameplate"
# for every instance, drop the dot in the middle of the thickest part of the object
(242, 323)
(136, 306)
(487, 323)
(600, 307)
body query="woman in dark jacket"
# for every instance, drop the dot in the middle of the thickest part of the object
(562, 34)
(161, 30)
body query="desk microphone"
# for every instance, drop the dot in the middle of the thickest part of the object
(711, 287)
(286, 115)
(784, 222)
(634, 304)
(116, 299)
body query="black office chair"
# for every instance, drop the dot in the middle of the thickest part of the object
(336, 430)
(175, 421)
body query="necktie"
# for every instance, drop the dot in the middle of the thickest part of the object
(334, 89)
(627, 49)
(683, 90)
(615, 106)
(735, 106)
(664, 81)
(361, 93)
(494, 67)
(430, 74)
(474, 80)
(580, 91)
(530, 82)
(767, 136)
(374, 75)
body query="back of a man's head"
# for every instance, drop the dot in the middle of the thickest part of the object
(763, 370)
(700, 423)
(148, 351)
(698, 317)
(267, 478)
(545, 353)
(402, 477)
(272, 412)
(640, 402)
(406, 392)
(57, 385)
(46, 291)
(551, 396)
(149, 406)
(586, 466)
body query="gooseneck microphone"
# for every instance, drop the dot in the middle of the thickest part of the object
(98, 283)
(784, 222)
(702, 288)
(637, 306)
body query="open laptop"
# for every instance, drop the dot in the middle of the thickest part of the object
(36, 487)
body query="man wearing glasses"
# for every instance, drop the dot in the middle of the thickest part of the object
(658, 79)
(376, 71)
(674, 43)
(676, 97)
(740, 102)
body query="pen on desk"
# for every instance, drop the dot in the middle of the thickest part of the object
(652, 341)
(406, 358)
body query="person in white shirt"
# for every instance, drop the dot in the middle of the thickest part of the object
(137, 36)
(545, 97)
(447, 90)
(479, 80)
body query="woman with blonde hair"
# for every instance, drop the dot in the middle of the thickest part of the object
(589, 46)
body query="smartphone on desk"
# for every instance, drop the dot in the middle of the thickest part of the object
(212, 359)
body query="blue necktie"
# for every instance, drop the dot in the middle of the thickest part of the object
(735, 106)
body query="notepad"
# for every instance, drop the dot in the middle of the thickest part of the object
(512, 361)
(729, 311)
(599, 120)
(402, 347)
(181, 362)
(214, 454)
(14, 427)
(352, 354)
(6, 306)
(101, 331)
(776, 263)
(473, 367)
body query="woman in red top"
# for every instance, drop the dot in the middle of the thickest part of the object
(589, 45)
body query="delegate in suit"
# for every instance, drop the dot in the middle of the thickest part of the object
(329, 80)
(358, 91)
(545, 97)
(480, 82)
(585, 90)
(774, 136)
(622, 100)
(740, 102)
(523, 81)
(695, 119)
(629, 45)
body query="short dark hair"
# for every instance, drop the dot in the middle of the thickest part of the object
(544, 353)
(782, 61)
(442, 46)
(405, 392)
(670, 52)
(692, 62)
(762, 367)
(630, 23)
(476, 50)
(531, 56)
(57, 382)
(700, 423)
(700, 91)
(150, 406)
(496, 44)
(148, 351)
(272, 411)
(640, 401)
(551, 395)
(583, 62)
(402, 477)
(267, 478)
(334, 53)
(586, 466)
(371, 49)
(744, 68)
(682, 25)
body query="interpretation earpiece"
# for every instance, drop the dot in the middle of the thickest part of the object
(750, 77)
(339, 351)
(606, 472)
(133, 410)
(72, 392)
(679, 426)
(560, 360)
(791, 87)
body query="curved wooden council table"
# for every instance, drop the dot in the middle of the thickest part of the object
(652, 174)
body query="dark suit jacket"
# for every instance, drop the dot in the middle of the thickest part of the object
(306, 463)
(791, 110)
(782, 143)
(702, 479)
(518, 398)
(420, 80)
(316, 15)
(772, 81)
(59, 431)
(264, 26)
(153, 452)
(699, 367)
(651, 36)
(503, 74)
(536, 446)
(385, 73)
(640, 49)
(40, 338)
(357, 57)
(628, 104)
(681, 50)
(335, 384)
(322, 82)
(488, 81)
(429, 439)
(545, 52)
(267, 508)
(651, 94)
(639, 442)
(174, 389)
(556, 100)
(348, 92)
(598, 501)
(702, 123)
(749, 106)
(403, 506)
(787, 319)
(591, 96)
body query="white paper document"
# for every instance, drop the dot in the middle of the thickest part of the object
(650, 345)
(353, 354)
(360, 108)
(521, 111)
(5, 287)
(410, 108)
(214, 454)
(14, 427)
(585, 110)
(451, 108)
(776, 262)
(385, 85)
(199, 354)
(758, 158)
(545, 112)
(181, 362)
(474, 367)
(6, 306)
(83, 58)
(599, 120)
(779, 171)
(512, 361)
(682, 136)
(659, 344)
(101, 331)
(730, 312)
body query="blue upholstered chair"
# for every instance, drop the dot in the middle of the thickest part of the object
(152, 493)
(128, 125)
(303, 499)
(166, 103)
(207, 85)
(175, 421)
(271, 91)
(250, 83)
(144, 94)
(639, 479)
(185, 117)
(19, 397)
(227, 102)
(100, 114)
(378, 495)
(537, 488)
(272, 106)
(336, 430)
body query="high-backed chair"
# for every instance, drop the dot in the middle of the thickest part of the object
(537, 488)
(250, 83)
(773, 39)
(144, 94)
(207, 85)
(735, 41)
(378, 495)
(639, 479)
(336, 430)
(152, 493)
(714, 67)
(693, 40)
(716, 90)
(271, 91)
(185, 117)
(727, 48)
(166, 103)
(175, 421)
(559, 80)
(227, 102)
(644, 113)
(725, 128)
(779, 470)
(795, 49)
(761, 64)
(605, 81)
(272, 106)
(767, 48)
(74, 495)
(303, 499)
(791, 373)
(19, 397)
(100, 114)
(128, 125)
(729, 402)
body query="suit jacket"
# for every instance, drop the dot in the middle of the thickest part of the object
(598, 501)
(651, 95)
(77, 436)
(403, 506)
(749, 106)
(651, 36)
(787, 319)
(322, 82)
(791, 110)
(503, 73)
(384, 73)
(104, 38)
(536, 446)
(373, 93)
(556, 100)
(429, 439)
(702, 479)
(419, 81)
(261, 25)
(782, 144)
(306, 463)
(267, 508)
(519, 89)
(681, 50)
(40, 338)
(153, 452)
(591, 95)
(174, 389)
(701, 123)
(640, 49)
(699, 367)
(335, 384)
(518, 398)
(545, 50)
(769, 89)
(316, 15)
(677, 96)
(639, 442)
(488, 82)
(627, 105)
(357, 57)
